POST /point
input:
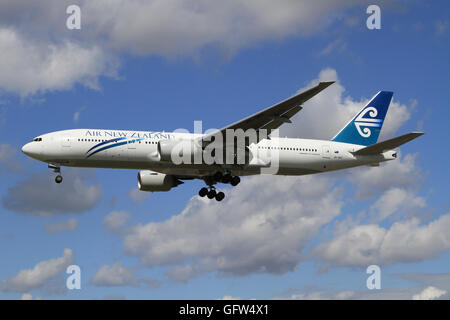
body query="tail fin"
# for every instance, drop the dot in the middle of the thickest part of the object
(365, 127)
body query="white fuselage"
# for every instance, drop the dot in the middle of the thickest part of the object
(138, 150)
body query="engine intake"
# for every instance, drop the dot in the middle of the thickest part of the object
(154, 181)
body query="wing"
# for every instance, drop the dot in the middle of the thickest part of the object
(276, 115)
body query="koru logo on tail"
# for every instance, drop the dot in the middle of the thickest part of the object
(365, 123)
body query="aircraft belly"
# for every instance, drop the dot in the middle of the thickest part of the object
(301, 162)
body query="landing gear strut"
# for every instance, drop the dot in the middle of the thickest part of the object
(226, 178)
(57, 169)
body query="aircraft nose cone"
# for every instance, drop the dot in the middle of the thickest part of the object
(32, 150)
(26, 149)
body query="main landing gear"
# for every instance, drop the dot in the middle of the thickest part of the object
(211, 193)
(57, 169)
(218, 177)
(226, 178)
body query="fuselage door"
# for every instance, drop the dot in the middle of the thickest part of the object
(326, 153)
(65, 142)
(131, 146)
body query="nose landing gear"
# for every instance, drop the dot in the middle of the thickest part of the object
(58, 179)
(57, 169)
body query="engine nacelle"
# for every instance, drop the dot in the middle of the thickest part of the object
(155, 181)
(179, 151)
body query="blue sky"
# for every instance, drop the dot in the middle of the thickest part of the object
(165, 78)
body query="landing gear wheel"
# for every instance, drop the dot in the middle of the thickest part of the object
(58, 179)
(235, 181)
(218, 176)
(226, 178)
(203, 192)
(211, 194)
(220, 196)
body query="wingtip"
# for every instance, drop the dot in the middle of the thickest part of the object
(328, 83)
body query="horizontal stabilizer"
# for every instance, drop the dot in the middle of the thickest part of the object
(390, 144)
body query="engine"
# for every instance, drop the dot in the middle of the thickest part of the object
(179, 151)
(155, 181)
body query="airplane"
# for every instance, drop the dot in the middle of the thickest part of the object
(152, 152)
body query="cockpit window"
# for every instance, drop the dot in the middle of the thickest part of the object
(37, 139)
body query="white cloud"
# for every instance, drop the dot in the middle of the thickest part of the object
(384, 294)
(174, 27)
(76, 116)
(359, 247)
(336, 45)
(394, 184)
(115, 275)
(394, 200)
(40, 195)
(115, 221)
(40, 54)
(138, 196)
(429, 293)
(69, 225)
(28, 66)
(401, 173)
(184, 273)
(409, 241)
(440, 282)
(27, 296)
(37, 277)
(230, 298)
(118, 275)
(253, 230)
(404, 241)
(323, 295)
